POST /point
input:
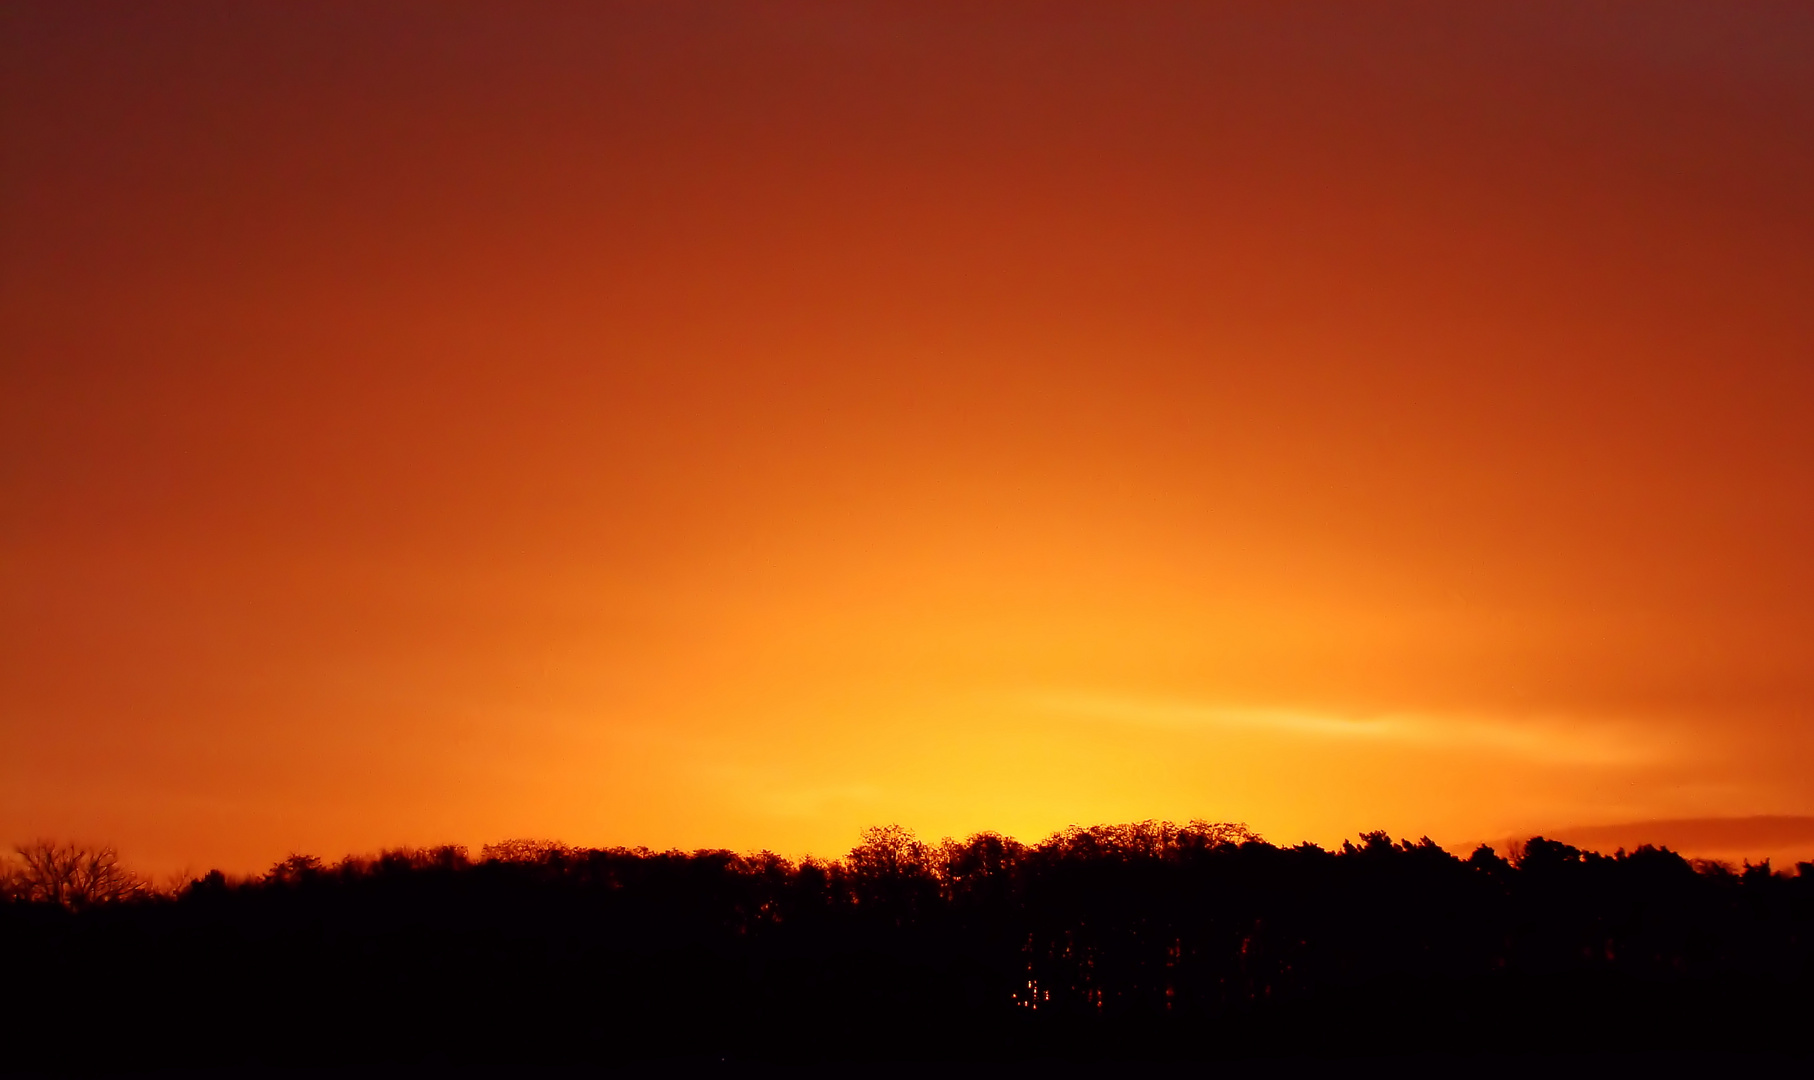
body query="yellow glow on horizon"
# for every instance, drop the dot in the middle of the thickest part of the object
(765, 434)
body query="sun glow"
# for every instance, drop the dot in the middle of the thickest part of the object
(710, 429)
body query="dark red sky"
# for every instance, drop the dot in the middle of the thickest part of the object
(737, 424)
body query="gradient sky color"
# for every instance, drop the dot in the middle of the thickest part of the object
(714, 424)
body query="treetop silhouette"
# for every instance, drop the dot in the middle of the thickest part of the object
(1147, 938)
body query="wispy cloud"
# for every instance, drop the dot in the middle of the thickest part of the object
(1552, 740)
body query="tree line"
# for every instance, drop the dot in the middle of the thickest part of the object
(1140, 940)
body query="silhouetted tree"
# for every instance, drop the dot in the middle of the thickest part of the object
(523, 851)
(888, 852)
(1138, 939)
(294, 870)
(73, 876)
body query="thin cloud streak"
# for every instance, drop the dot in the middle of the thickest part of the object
(1549, 741)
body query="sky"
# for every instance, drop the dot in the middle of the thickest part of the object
(738, 424)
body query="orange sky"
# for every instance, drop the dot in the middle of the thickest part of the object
(738, 424)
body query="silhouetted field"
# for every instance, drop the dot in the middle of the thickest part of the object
(1127, 942)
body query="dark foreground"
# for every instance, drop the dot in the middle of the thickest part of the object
(1136, 943)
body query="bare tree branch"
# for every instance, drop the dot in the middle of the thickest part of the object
(73, 876)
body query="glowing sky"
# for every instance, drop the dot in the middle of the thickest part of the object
(739, 424)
